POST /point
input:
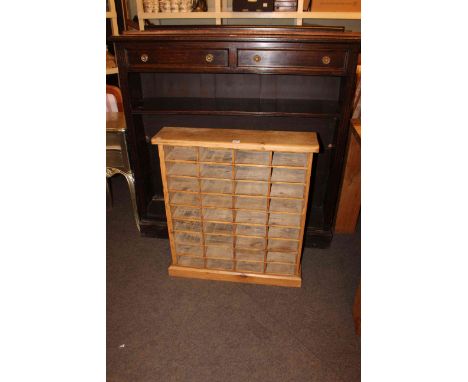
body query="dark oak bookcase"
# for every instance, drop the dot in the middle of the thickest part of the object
(256, 78)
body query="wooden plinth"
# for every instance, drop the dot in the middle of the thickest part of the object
(240, 277)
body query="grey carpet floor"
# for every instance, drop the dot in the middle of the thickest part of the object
(173, 329)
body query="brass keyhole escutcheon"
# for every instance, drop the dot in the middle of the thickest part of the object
(144, 57)
(209, 57)
(326, 60)
(257, 58)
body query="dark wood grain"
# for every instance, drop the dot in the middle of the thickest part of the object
(292, 58)
(267, 100)
(179, 55)
(237, 106)
(136, 139)
(236, 57)
(347, 92)
(243, 33)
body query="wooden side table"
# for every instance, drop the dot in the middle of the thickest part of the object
(349, 205)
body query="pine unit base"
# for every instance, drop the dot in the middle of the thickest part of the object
(236, 202)
(237, 277)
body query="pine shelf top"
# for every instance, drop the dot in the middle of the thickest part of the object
(238, 139)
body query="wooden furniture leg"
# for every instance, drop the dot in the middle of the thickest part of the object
(357, 310)
(349, 205)
(117, 161)
(131, 186)
(108, 195)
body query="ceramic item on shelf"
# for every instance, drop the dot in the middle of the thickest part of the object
(147, 6)
(151, 6)
(199, 6)
(174, 6)
(185, 5)
(165, 6)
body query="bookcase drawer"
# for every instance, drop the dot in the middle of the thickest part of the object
(178, 56)
(319, 60)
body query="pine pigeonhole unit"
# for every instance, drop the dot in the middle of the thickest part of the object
(236, 202)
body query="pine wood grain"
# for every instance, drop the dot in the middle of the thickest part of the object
(221, 210)
(238, 139)
(240, 277)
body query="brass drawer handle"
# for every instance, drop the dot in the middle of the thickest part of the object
(257, 58)
(144, 57)
(326, 60)
(209, 57)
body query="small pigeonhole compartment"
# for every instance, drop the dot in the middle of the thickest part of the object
(215, 155)
(215, 186)
(248, 266)
(184, 198)
(289, 159)
(250, 242)
(252, 173)
(250, 255)
(183, 184)
(219, 252)
(220, 201)
(186, 225)
(215, 171)
(218, 228)
(251, 203)
(220, 264)
(181, 168)
(179, 153)
(252, 157)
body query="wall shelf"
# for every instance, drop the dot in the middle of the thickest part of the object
(237, 106)
(253, 15)
(219, 12)
(111, 13)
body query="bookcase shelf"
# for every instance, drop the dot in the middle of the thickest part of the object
(237, 106)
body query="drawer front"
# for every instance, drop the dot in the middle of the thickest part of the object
(178, 56)
(321, 60)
